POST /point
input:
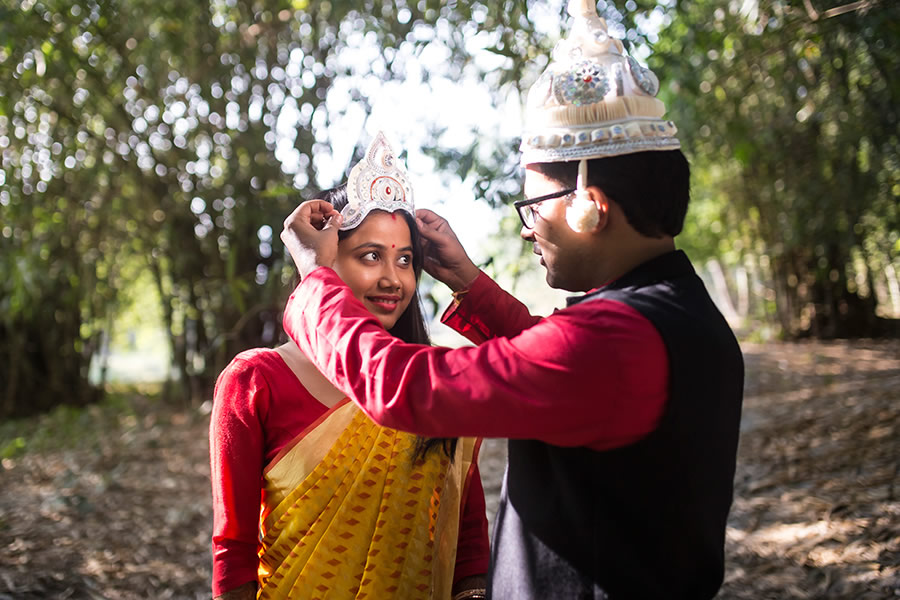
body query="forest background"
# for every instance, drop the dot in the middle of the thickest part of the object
(150, 150)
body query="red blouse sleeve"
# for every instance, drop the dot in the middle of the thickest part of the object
(236, 443)
(473, 553)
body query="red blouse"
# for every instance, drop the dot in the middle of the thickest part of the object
(260, 406)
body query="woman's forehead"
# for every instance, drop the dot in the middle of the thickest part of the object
(382, 228)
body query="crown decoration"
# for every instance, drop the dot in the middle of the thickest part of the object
(593, 100)
(378, 181)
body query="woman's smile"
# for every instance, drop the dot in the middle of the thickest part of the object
(385, 304)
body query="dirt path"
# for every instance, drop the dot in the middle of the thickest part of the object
(124, 513)
(816, 511)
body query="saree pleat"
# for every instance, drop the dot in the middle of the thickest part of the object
(350, 513)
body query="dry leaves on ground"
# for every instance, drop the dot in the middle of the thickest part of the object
(125, 513)
(816, 511)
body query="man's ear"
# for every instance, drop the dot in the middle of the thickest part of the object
(601, 202)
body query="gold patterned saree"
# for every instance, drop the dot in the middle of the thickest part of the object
(350, 513)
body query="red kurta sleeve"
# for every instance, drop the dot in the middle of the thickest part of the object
(473, 553)
(594, 374)
(486, 311)
(236, 446)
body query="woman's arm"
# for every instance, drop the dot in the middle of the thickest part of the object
(473, 550)
(236, 455)
(243, 592)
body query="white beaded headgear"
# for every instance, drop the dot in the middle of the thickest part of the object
(593, 100)
(379, 182)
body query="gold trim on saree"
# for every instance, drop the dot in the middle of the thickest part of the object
(348, 513)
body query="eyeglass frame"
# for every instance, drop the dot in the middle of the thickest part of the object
(520, 204)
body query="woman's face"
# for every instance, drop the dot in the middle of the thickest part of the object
(376, 262)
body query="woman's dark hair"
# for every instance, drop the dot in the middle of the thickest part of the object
(653, 188)
(410, 326)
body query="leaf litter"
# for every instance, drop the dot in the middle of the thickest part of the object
(125, 512)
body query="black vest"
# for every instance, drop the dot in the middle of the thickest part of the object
(646, 521)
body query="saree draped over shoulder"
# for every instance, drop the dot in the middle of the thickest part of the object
(348, 513)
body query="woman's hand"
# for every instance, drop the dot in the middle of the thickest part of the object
(445, 258)
(311, 235)
(243, 592)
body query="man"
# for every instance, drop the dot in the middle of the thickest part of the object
(622, 410)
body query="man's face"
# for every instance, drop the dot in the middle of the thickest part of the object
(561, 249)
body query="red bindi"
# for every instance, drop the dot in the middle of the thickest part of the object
(393, 246)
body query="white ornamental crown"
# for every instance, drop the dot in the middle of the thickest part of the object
(377, 182)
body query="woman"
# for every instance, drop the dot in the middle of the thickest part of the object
(349, 509)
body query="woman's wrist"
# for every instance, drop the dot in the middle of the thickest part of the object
(471, 594)
(470, 588)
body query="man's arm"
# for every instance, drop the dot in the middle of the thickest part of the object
(591, 374)
(581, 377)
(482, 310)
(487, 311)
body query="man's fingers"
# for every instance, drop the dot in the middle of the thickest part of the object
(428, 216)
(429, 232)
(310, 213)
(333, 221)
(293, 217)
(318, 206)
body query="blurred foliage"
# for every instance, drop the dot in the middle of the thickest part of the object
(64, 426)
(146, 131)
(790, 113)
(144, 142)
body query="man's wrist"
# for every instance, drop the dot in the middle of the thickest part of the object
(310, 264)
(465, 278)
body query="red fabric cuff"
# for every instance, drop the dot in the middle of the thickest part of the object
(462, 316)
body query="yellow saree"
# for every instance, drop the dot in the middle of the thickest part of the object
(348, 513)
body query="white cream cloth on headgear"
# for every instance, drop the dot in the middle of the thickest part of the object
(593, 100)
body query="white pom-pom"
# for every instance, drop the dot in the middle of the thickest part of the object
(582, 215)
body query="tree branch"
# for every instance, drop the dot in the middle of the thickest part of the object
(814, 15)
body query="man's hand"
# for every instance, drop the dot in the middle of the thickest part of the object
(311, 235)
(445, 258)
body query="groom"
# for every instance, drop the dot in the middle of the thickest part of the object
(622, 409)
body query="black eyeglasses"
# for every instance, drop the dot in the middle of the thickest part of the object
(527, 208)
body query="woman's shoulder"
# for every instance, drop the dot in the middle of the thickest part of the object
(265, 362)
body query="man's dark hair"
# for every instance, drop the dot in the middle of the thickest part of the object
(653, 188)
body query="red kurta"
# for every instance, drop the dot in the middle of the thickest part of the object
(260, 406)
(594, 374)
